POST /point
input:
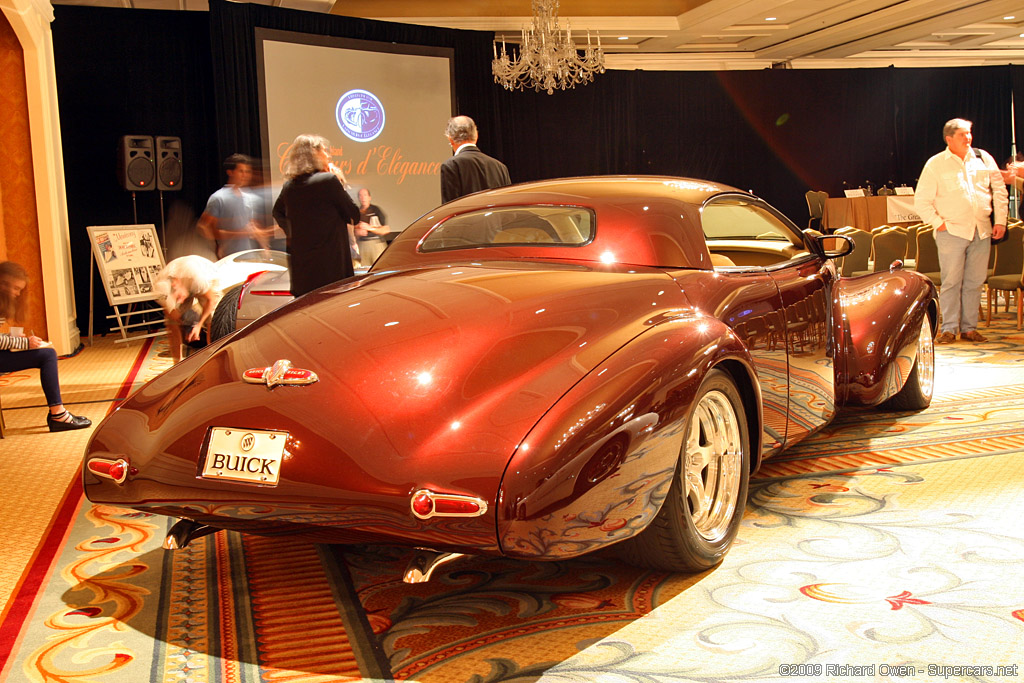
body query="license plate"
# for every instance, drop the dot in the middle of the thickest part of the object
(248, 455)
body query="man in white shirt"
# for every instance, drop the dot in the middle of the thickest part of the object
(962, 195)
(188, 291)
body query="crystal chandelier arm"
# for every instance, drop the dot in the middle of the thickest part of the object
(547, 59)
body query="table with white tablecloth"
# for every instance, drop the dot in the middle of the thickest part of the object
(867, 213)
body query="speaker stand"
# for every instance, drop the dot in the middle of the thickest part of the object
(163, 229)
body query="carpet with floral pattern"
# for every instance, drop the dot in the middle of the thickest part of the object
(886, 548)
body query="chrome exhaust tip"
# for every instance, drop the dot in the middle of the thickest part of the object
(423, 564)
(184, 532)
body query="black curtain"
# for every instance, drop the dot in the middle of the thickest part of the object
(830, 128)
(926, 98)
(750, 130)
(1017, 82)
(777, 132)
(137, 72)
(587, 130)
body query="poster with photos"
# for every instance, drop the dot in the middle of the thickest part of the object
(129, 258)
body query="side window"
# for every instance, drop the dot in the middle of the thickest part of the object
(743, 233)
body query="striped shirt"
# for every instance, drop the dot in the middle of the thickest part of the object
(8, 342)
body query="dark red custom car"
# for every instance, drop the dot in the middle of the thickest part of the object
(535, 372)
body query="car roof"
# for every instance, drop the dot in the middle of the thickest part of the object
(640, 220)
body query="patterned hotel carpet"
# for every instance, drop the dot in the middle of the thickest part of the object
(888, 544)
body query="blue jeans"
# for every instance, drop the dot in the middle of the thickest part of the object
(45, 359)
(964, 267)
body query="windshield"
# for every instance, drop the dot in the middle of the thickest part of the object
(738, 219)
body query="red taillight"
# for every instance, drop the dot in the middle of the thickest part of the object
(422, 505)
(248, 280)
(259, 292)
(426, 504)
(459, 507)
(245, 287)
(118, 470)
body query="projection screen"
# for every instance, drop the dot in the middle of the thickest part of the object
(382, 106)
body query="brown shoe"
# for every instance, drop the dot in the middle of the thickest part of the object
(945, 338)
(973, 336)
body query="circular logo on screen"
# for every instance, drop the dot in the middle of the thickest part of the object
(360, 115)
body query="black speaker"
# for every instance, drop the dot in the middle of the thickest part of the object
(135, 166)
(168, 163)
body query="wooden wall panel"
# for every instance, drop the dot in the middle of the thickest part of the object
(19, 224)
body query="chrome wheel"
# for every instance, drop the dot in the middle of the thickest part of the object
(926, 361)
(916, 393)
(703, 510)
(712, 466)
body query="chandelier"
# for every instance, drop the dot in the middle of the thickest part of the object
(547, 58)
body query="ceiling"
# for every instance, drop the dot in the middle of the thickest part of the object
(721, 34)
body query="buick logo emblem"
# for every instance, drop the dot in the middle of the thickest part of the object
(281, 372)
(248, 441)
(360, 115)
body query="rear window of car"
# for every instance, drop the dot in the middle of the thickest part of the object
(533, 226)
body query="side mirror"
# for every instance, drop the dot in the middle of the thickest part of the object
(834, 246)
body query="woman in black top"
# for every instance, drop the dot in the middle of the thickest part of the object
(314, 211)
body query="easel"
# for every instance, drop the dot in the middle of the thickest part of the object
(132, 312)
(146, 315)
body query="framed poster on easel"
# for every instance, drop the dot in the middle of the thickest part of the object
(128, 258)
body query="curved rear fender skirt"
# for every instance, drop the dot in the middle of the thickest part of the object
(596, 468)
(882, 316)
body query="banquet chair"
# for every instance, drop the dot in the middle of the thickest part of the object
(879, 229)
(912, 240)
(888, 246)
(815, 207)
(856, 262)
(928, 256)
(1007, 272)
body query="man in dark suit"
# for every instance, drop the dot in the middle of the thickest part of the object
(469, 170)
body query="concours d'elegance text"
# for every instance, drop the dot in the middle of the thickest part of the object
(898, 670)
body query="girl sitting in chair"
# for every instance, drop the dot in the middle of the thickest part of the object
(21, 352)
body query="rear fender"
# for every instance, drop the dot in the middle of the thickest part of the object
(596, 468)
(881, 318)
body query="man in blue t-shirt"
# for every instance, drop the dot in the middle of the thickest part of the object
(228, 218)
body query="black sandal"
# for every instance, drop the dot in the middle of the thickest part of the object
(76, 422)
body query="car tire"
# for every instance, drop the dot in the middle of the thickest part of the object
(701, 515)
(226, 314)
(917, 393)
